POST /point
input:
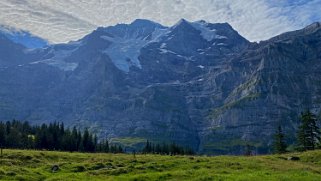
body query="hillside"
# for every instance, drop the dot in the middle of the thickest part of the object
(37, 165)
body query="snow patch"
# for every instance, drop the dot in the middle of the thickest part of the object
(163, 45)
(187, 58)
(220, 37)
(221, 44)
(107, 38)
(124, 51)
(165, 51)
(207, 33)
(170, 37)
(201, 66)
(58, 60)
(158, 34)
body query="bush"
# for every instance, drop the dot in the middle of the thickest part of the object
(79, 168)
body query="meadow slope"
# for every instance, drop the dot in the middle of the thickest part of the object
(37, 165)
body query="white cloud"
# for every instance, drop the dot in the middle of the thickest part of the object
(65, 20)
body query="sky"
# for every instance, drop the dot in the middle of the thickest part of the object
(61, 21)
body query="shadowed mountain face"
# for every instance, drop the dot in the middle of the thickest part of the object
(197, 84)
(22, 37)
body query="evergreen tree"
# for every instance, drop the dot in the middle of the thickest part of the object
(113, 149)
(103, 146)
(248, 150)
(74, 138)
(95, 142)
(2, 137)
(42, 137)
(80, 146)
(67, 141)
(85, 140)
(308, 135)
(147, 148)
(14, 138)
(158, 149)
(120, 149)
(90, 144)
(279, 145)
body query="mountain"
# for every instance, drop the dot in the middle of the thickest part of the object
(198, 84)
(22, 37)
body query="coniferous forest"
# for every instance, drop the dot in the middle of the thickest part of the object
(22, 135)
(166, 149)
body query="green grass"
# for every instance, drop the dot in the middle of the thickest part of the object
(227, 144)
(36, 165)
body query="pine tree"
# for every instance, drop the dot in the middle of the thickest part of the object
(158, 149)
(147, 148)
(43, 137)
(90, 144)
(74, 137)
(308, 135)
(2, 137)
(248, 150)
(120, 149)
(106, 146)
(67, 141)
(85, 140)
(279, 145)
(113, 149)
(95, 142)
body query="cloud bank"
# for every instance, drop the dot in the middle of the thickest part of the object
(65, 20)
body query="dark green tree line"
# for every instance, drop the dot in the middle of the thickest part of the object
(22, 135)
(166, 149)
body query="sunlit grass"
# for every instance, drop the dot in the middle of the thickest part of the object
(36, 165)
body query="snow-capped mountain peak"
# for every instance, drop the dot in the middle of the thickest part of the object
(207, 31)
(126, 41)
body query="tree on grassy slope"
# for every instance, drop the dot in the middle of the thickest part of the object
(279, 145)
(308, 136)
(2, 137)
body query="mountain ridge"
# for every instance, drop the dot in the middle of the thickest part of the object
(24, 38)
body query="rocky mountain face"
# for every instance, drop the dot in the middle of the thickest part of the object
(22, 37)
(197, 84)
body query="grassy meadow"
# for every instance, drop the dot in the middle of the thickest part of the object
(37, 165)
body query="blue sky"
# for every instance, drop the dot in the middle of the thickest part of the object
(66, 20)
